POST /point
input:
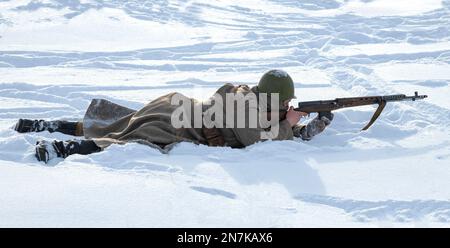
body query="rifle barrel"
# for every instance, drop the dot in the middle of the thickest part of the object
(393, 98)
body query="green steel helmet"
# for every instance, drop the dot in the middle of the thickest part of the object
(277, 81)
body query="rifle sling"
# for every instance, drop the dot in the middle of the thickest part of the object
(377, 113)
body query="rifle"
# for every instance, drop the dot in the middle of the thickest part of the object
(323, 107)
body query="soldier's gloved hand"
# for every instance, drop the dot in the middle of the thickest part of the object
(297, 130)
(314, 127)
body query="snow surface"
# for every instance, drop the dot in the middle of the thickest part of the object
(56, 55)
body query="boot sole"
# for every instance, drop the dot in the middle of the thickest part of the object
(41, 153)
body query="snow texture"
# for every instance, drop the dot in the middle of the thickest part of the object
(56, 55)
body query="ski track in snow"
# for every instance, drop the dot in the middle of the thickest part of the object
(53, 61)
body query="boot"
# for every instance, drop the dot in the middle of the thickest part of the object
(26, 125)
(45, 150)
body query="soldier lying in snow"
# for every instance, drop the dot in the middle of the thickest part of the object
(106, 123)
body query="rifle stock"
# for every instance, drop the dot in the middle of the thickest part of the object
(323, 106)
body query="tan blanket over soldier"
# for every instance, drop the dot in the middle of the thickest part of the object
(107, 123)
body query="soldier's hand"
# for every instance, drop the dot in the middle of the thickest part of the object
(293, 117)
(314, 127)
(298, 130)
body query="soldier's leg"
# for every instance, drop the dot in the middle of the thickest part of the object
(66, 127)
(46, 150)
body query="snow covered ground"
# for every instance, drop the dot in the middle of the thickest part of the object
(56, 55)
